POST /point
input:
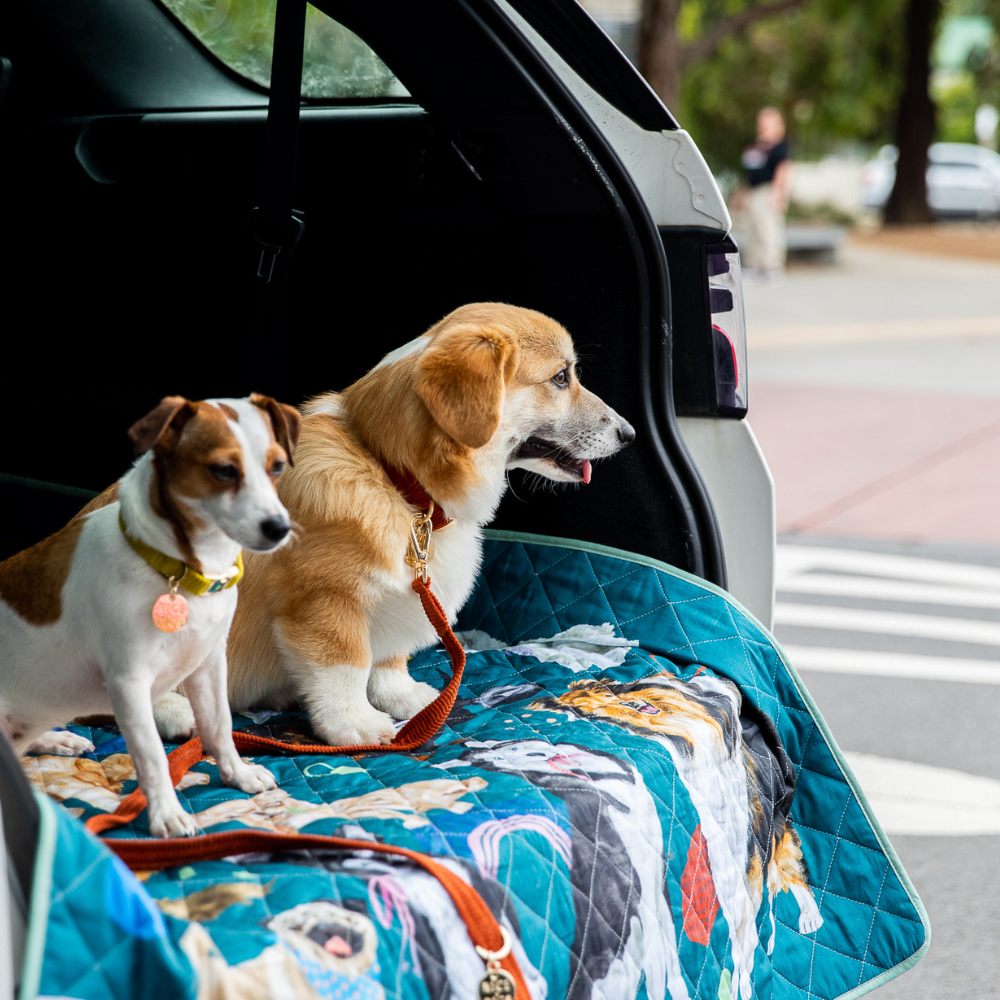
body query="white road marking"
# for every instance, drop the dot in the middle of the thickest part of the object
(889, 590)
(888, 623)
(793, 560)
(907, 798)
(861, 661)
(878, 577)
(912, 799)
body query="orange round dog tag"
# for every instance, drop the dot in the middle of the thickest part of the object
(170, 612)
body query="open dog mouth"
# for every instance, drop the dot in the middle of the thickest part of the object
(579, 468)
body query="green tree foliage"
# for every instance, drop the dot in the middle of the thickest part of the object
(960, 89)
(240, 33)
(833, 67)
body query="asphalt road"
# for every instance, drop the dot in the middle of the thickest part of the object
(874, 392)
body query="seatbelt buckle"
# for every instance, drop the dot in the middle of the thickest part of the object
(274, 239)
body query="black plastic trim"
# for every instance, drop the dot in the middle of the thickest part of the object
(693, 234)
(705, 551)
(695, 361)
(574, 34)
(723, 411)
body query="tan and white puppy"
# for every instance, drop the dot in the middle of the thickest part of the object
(76, 621)
(329, 622)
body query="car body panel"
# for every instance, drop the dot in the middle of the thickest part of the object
(738, 478)
(681, 192)
(667, 166)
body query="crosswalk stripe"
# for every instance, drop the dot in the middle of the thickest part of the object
(920, 799)
(889, 590)
(909, 798)
(793, 560)
(878, 664)
(888, 623)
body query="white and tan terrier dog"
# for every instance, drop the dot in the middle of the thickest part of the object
(136, 594)
(328, 624)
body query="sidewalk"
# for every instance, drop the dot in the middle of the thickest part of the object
(875, 394)
(913, 467)
(976, 240)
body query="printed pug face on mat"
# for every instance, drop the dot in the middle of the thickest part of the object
(329, 622)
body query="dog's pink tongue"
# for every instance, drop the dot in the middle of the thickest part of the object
(586, 469)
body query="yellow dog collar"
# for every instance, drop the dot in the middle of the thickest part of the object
(174, 569)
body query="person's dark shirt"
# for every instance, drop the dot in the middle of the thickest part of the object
(760, 163)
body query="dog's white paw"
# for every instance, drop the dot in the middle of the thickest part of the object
(398, 694)
(174, 718)
(252, 779)
(362, 726)
(746, 986)
(172, 821)
(61, 744)
(809, 918)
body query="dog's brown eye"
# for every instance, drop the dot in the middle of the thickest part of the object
(277, 468)
(561, 378)
(224, 473)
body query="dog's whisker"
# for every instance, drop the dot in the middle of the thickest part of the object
(510, 486)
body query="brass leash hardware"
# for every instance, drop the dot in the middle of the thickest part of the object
(497, 982)
(220, 582)
(420, 548)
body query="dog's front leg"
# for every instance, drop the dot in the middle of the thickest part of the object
(330, 667)
(174, 718)
(206, 690)
(393, 690)
(132, 702)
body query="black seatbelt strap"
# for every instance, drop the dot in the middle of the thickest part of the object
(275, 225)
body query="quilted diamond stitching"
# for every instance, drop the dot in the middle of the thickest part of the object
(760, 663)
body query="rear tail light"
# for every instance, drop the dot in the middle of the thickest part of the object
(729, 340)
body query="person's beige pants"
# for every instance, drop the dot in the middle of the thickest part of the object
(767, 230)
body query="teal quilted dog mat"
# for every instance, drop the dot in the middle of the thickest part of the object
(633, 778)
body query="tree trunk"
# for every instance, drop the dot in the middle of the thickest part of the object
(662, 57)
(660, 50)
(915, 125)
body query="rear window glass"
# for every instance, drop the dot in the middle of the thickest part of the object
(240, 33)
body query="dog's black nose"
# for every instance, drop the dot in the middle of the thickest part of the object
(626, 433)
(274, 528)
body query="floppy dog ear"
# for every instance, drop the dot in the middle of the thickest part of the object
(461, 378)
(172, 413)
(286, 422)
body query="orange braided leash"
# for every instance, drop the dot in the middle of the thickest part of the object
(422, 727)
(153, 854)
(483, 928)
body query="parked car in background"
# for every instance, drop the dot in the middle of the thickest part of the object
(963, 180)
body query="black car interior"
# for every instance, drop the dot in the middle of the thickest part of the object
(132, 159)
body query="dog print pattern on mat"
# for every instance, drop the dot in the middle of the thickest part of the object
(738, 787)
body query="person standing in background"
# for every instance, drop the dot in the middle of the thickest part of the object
(768, 175)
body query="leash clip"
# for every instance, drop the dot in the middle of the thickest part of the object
(496, 982)
(221, 582)
(420, 548)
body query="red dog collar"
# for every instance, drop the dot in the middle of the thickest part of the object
(415, 495)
